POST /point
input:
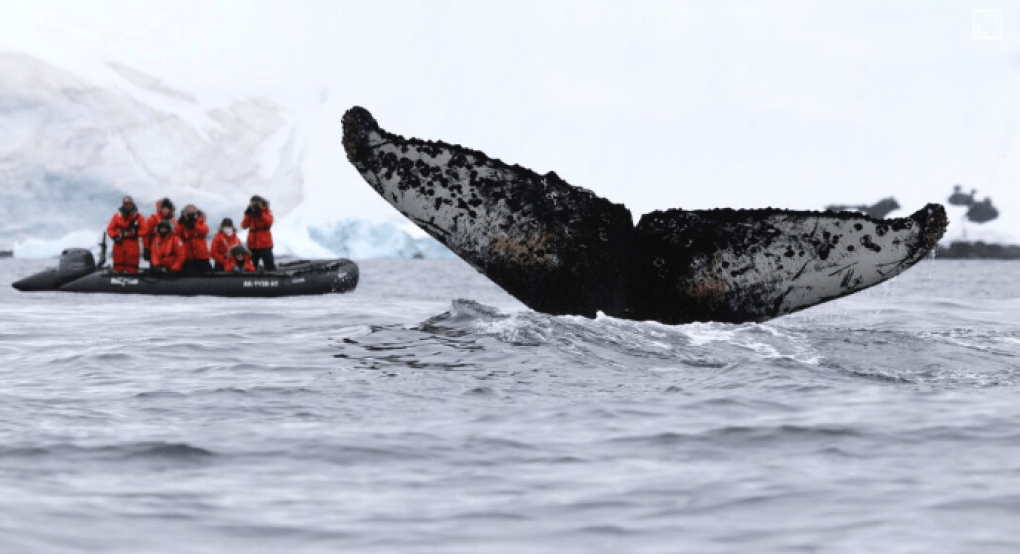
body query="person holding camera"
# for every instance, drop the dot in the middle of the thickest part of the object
(224, 240)
(193, 230)
(239, 261)
(125, 228)
(164, 212)
(258, 218)
(168, 252)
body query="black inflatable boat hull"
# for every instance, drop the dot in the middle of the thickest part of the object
(46, 280)
(291, 279)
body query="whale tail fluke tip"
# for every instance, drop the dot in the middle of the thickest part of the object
(357, 124)
(935, 221)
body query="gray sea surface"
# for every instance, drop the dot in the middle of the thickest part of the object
(430, 412)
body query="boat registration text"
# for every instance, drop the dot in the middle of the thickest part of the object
(262, 284)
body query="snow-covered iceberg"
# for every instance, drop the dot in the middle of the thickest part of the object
(360, 238)
(71, 148)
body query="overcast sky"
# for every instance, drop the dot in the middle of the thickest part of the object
(654, 104)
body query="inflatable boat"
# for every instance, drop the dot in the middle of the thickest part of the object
(77, 272)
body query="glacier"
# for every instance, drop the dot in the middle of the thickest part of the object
(72, 147)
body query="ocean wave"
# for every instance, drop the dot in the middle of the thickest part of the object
(113, 452)
(618, 341)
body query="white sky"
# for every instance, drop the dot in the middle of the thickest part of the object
(653, 104)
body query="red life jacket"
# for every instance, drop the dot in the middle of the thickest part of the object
(125, 249)
(259, 236)
(232, 263)
(129, 228)
(154, 219)
(221, 245)
(168, 252)
(194, 239)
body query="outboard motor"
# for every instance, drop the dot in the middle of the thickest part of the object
(75, 263)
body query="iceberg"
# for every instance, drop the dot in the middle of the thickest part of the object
(361, 239)
(40, 248)
(71, 148)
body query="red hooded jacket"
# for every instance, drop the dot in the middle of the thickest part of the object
(130, 228)
(194, 238)
(232, 263)
(221, 245)
(168, 252)
(125, 249)
(154, 220)
(259, 236)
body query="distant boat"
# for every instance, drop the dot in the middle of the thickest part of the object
(878, 210)
(958, 198)
(982, 212)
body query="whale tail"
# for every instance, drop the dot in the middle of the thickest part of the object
(560, 249)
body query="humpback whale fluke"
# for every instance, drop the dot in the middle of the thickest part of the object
(560, 249)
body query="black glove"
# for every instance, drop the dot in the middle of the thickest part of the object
(248, 211)
(146, 255)
(159, 270)
(257, 211)
(118, 238)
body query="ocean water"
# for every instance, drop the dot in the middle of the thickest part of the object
(429, 412)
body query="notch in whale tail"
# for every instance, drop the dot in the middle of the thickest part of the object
(560, 249)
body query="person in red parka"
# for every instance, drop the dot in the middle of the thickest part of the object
(192, 230)
(259, 219)
(168, 253)
(125, 228)
(239, 260)
(164, 212)
(224, 240)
